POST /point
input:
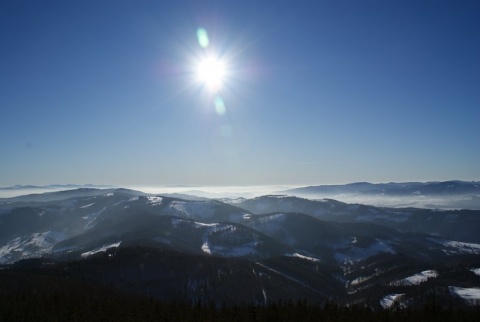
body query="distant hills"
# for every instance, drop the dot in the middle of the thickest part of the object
(453, 194)
(446, 194)
(19, 190)
(55, 186)
(447, 188)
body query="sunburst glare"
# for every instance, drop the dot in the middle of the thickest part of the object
(211, 72)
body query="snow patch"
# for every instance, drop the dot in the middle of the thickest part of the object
(155, 201)
(34, 245)
(476, 271)
(468, 294)
(206, 248)
(389, 300)
(201, 224)
(361, 279)
(456, 247)
(416, 278)
(312, 259)
(102, 249)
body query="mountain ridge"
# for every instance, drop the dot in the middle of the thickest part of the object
(337, 249)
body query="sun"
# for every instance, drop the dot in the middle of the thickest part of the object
(211, 72)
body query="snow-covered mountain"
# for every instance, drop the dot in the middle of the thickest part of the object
(323, 248)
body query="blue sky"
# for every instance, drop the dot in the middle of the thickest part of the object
(317, 92)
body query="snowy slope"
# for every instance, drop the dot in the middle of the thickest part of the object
(101, 249)
(390, 300)
(34, 245)
(452, 247)
(471, 295)
(416, 278)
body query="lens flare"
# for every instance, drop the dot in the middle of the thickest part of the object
(202, 37)
(219, 105)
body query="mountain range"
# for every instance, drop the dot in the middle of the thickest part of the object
(232, 251)
(454, 194)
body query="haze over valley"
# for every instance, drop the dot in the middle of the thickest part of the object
(452, 194)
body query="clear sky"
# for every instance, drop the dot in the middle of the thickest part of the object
(313, 92)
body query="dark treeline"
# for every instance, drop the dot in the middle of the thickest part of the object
(74, 307)
(42, 298)
(41, 290)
